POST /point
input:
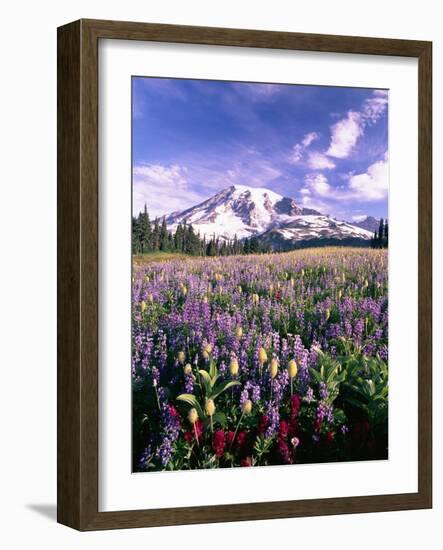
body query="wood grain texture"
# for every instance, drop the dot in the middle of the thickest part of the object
(68, 276)
(78, 274)
(425, 274)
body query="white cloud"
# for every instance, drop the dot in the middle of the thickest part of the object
(163, 188)
(318, 184)
(346, 132)
(297, 153)
(375, 106)
(309, 138)
(299, 149)
(371, 185)
(344, 135)
(162, 175)
(257, 92)
(319, 161)
(255, 172)
(168, 188)
(315, 203)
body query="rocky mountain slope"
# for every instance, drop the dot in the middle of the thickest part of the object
(257, 212)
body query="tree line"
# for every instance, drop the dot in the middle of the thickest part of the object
(380, 238)
(154, 236)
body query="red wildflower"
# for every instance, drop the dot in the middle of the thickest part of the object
(293, 427)
(295, 402)
(240, 440)
(218, 443)
(199, 428)
(246, 462)
(263, 424)
(189, 436)
(173, 410)
(330, 437)
(283, 429)
(284, 451)
(317, 424)
(229, 437)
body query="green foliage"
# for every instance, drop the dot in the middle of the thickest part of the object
(211, 388)
(262, 448)
(148, 238)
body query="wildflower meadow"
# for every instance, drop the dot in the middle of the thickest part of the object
(259, 360)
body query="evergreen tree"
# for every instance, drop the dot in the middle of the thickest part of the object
(171, 242)
(147, 237)
(145, 231)
(386, 235)
(156, 236)
(211, 249)
(254, 245)
(135, 236)
(178, 238)
(380, 234)
(164, 240)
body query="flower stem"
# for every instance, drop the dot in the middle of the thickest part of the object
(158, 400)
(236, 429)
(196, 436)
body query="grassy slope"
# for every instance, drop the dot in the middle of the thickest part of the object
(141, 259)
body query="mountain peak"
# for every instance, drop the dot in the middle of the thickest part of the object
(244, 211)
(369, 223)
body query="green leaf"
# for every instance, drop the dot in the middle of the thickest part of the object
(357, 404)
(223, 386)
(192, 400)
(220, 418)
(206, 379)
(213, 371)
(315, 374)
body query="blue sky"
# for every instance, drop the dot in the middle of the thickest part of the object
(326, 147)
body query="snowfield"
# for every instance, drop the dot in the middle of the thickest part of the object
(245, 212)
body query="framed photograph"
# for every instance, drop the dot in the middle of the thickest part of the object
(244, 275)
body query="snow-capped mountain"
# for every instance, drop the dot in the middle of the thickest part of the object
(311, 230)
(250, 211)
(370, 223)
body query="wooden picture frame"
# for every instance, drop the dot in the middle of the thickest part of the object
(78, 274)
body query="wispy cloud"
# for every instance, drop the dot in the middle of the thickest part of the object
(298, 150)
(371, 185)
(346, 132)
(316, 203)
(169, 87)
(317, 184)
(319, 161)
(166, 188)
(344, 135)
(163, 188)
(309, 138)
(374, 107)
(257, 92)
(192, 138)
